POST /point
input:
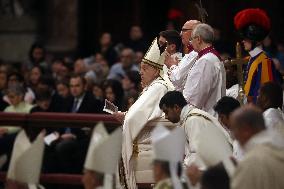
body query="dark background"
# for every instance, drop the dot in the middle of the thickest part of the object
(74, 26)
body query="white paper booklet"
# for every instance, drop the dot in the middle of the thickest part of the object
(50, 138)
(110, 107)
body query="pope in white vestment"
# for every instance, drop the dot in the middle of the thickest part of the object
(136, 147)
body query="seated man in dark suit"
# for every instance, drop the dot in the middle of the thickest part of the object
(83, 101)
(71, 147)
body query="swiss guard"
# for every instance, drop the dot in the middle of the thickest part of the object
(253, 25)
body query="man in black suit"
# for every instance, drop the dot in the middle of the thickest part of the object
(71, 148)
(83, 101)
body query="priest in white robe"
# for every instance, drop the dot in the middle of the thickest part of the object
(195, 122)
(263, 163)
(178, 69)
(270, 101)
(206, 80)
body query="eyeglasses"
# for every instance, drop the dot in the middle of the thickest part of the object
(185, 29)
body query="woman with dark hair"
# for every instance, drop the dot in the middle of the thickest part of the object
(34, 77)
(62, 88)
(36, 58)
(106, 48)
(98, 91)
(113, 92)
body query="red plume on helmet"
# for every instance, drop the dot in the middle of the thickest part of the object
(174, 14)
(252, 23)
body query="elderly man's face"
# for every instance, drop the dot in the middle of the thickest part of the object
(195, 41)
(186, 32)
(148, 74)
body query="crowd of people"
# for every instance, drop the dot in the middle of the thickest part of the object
(222, 140)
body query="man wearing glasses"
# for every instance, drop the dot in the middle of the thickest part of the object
(178, 69)
(205, 83)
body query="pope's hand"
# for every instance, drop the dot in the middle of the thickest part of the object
(119, 116)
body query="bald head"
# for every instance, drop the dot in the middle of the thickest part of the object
(192, 23)
(246, 122)
(187, 29)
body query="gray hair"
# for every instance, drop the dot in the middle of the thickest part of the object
(205, 32)
(17, 89)
(128, 50)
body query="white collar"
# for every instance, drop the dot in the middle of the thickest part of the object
(184, 112)
(255, 51)
(157, 79)
(80, 98)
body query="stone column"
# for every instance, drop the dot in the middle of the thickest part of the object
(16, 36)
(61, 26)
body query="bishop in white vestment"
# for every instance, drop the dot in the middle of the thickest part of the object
(136, 146)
